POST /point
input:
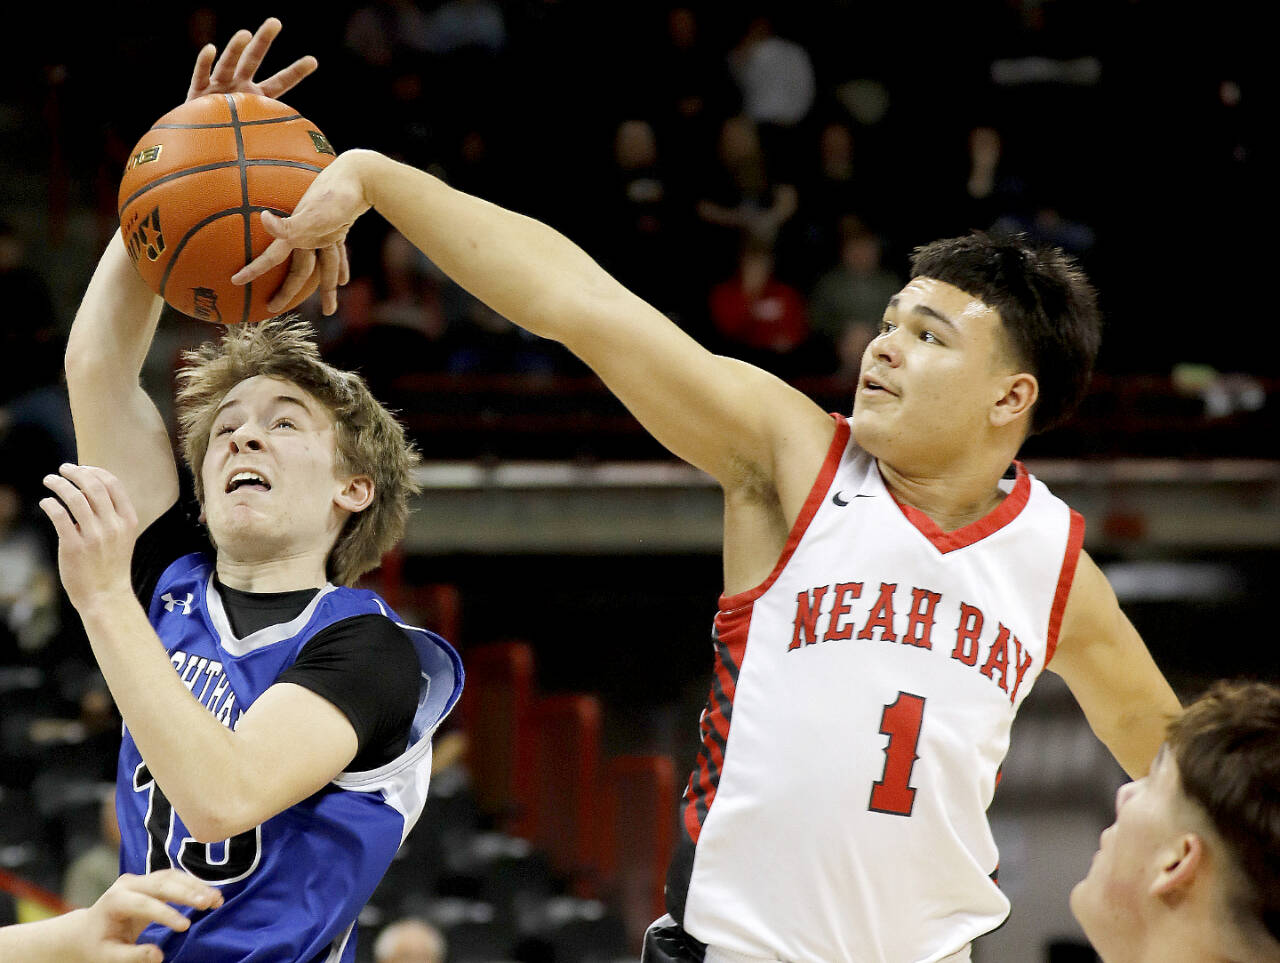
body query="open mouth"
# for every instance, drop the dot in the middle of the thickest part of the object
(871, 384)
(247, 479)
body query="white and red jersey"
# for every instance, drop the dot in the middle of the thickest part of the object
(859, 713)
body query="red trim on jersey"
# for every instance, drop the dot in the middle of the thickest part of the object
(731, 633)
(992, 522)
(810, 508)
(1075, 539)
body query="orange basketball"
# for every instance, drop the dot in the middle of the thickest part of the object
(192, 193)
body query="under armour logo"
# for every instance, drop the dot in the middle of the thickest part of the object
(170, 602)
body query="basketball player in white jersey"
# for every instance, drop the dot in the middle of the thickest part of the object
(894, 581)
(1190, 870)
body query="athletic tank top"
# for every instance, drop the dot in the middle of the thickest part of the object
(859, 712)
(293, 886)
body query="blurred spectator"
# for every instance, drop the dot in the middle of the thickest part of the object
(691, 91)
(392, 322)
(836, 187)
(472, 166)
(30, 340)
(741, 197)
(93, 871)
(643, 226)
(761, 318)
(409, 940)
(29, 590)
(462, 24)
(777, 81)
(382, 31)
(384, 44)
(849, 300)
(1047, 225)
(481, 341)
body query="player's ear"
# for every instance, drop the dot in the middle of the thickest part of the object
(1179, 862)
(356, 494)
(1020, 392)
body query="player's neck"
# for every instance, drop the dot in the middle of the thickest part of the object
(288, 573)
(952, 497)
(1187, 934)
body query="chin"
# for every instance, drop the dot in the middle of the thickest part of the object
(866, 433)
(247, 532)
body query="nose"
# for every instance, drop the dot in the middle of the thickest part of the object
(884, 347)
(246, 438)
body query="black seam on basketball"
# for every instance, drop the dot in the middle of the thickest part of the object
(225, 123)
(195, 228)
(221, 165)
(172, 177)
(244, 197)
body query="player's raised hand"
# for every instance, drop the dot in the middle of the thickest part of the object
(313, 233)
(240, 60)
(97, 527)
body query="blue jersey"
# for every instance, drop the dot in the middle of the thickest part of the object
(293, 886)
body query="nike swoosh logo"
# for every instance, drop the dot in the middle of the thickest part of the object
(842, 502)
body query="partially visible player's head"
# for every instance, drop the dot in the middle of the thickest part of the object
(1048, 308)
(1190, 870)
(409, 940)
(257, 365)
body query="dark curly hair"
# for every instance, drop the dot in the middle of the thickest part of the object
(1048, 306)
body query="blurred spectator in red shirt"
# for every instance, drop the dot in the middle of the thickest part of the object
(761, 318)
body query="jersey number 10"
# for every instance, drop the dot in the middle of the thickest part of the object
(240, 853)
(893, 793)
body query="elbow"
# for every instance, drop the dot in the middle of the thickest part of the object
(79, 360)
(207, 826)
(212, 822)
(204, 826)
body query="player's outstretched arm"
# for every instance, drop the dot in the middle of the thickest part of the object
(732, 420)
(117, 425)
(1111, 673)
(106, 931)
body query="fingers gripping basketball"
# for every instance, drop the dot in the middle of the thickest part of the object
(192, 193)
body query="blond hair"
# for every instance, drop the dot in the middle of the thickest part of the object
(369, 439)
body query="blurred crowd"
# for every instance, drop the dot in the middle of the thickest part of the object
(760, 172)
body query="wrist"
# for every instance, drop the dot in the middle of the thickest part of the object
(364, 164)
(103, 607)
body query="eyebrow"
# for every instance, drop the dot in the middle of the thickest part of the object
(926, 311)
(288, 399)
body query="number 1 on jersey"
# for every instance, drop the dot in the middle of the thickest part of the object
(893, 793)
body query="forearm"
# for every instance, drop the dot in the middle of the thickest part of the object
(51, 940)
(116, 321)
(523, 269)
(190, 754)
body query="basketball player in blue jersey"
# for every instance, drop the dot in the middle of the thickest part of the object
(277, 740)
(895, 581)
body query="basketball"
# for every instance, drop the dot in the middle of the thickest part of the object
(192, 192)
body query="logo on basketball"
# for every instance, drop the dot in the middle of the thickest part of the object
(204, 304)
(322, 143)
(144, 156)
(147, 237)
